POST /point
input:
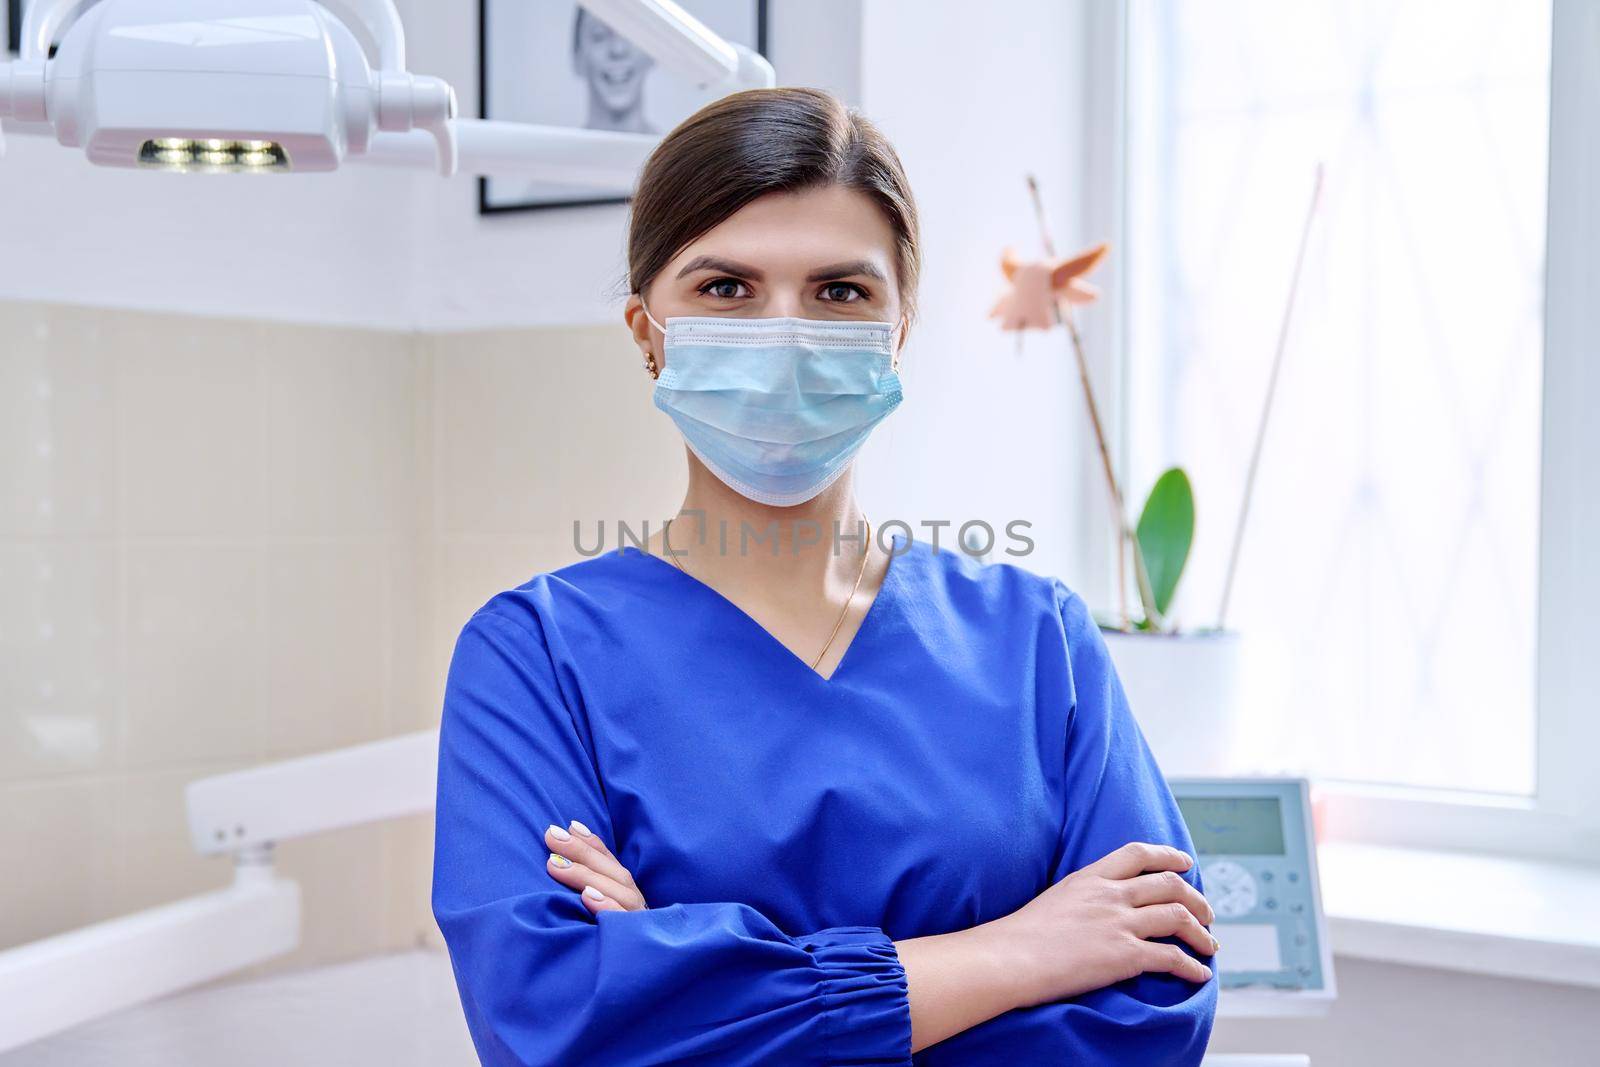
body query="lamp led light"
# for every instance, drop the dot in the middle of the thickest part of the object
(197, 157)
(242, 86)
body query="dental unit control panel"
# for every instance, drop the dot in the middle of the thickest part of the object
(1254, 840)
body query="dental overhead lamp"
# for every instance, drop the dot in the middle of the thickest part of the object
(299, 86)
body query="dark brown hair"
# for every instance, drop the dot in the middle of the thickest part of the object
(759, 141)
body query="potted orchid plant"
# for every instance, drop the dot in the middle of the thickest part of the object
(1182, 682)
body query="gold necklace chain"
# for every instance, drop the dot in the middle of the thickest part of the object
(866, 553)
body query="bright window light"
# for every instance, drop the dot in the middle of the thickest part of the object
(1388, 585)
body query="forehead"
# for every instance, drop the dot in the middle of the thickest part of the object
(785, 231)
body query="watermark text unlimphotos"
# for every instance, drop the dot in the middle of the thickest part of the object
(974, 537)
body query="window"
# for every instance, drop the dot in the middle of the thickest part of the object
(1389, 587)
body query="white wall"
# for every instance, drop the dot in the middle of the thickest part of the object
(973, 98)
(331, 248)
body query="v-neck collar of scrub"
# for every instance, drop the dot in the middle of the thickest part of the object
(845, 658)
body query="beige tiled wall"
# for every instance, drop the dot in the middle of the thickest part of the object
(532, 429)
(224, 542)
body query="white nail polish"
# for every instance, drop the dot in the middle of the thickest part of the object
(582, 829)
(561, 835)
(592, 893)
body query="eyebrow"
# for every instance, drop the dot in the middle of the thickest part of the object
(863, 267)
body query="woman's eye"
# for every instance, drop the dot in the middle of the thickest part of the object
(840, 292)
(719, 287)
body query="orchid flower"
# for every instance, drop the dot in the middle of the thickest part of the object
(1038, 288)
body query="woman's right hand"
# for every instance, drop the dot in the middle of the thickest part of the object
(1094, 927)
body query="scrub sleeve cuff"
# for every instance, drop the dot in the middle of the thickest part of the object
(866, 1011)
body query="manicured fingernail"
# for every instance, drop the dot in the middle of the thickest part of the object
(1215, 945)
(560, 861)
(592, 893)
(582, 829)
(561, 835)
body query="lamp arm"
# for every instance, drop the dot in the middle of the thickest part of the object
(376, 23)
(313, 794)
(45, 21)
(379, 28)
(682, 43)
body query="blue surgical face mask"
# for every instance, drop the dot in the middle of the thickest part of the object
(777, 407)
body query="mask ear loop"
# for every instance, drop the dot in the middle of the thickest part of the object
(894, 344)
(652, 318)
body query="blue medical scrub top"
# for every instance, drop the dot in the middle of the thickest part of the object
(972, 748)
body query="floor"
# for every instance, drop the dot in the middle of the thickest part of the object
(399, 1010)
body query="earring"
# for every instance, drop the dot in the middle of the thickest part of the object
(650, 365)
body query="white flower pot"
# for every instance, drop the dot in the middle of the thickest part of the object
(1185, 693)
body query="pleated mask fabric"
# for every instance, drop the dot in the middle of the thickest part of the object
(777, 407)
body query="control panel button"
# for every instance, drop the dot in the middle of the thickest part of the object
(1229, 888)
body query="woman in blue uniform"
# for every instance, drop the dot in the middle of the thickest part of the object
(784, 787)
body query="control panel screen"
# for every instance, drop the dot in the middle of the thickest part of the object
(1251, 946)
(1234, 826)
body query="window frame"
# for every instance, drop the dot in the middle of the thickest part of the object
(1562, 819)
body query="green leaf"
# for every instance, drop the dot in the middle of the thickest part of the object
(1166, 531)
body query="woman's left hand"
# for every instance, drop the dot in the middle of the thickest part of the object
(592, 868)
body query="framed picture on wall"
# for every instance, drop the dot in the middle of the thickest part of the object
(554, 64)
